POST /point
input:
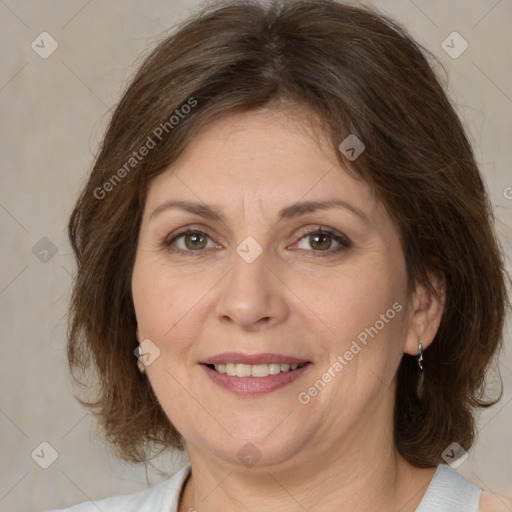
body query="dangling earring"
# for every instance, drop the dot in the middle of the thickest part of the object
(138, 353)
(419, 387)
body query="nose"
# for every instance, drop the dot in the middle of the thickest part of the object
(253, 295)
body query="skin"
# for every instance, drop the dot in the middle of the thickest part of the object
(336, 452)
(494, 503)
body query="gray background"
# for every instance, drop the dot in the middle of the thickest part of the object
(53, 114)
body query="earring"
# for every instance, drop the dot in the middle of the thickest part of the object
(420, 357)
(139, 362)
(419, 387)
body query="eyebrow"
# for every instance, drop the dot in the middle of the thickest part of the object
(289, 212)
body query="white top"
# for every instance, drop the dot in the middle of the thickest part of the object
(448, 491)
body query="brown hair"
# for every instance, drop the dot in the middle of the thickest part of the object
(362, 74)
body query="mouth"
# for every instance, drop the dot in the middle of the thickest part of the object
(255, 370)
(254, 375)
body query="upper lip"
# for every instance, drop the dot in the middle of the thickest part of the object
(237, 357)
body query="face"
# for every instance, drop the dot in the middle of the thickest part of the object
(251, 277)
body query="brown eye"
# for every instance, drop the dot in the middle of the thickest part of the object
(191, 241)
(195, 240)
(321, 241)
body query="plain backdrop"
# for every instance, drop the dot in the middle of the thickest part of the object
(53, 113)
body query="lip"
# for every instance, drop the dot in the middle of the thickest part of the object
(254, 385)
(263, 358)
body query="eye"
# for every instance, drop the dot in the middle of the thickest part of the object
(193, 240)
(320, 240)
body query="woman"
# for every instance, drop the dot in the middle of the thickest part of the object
(286, 225)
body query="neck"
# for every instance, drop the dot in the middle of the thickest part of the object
(346, 465)
(364, 473)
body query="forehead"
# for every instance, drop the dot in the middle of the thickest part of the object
(268, 157)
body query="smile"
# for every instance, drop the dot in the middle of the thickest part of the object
(255, 370)
(258, 379)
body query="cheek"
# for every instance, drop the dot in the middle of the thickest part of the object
(360, 295)
(155, 302)
(366, 312)
(168, 305)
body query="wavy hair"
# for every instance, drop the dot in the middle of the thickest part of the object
(362, 74)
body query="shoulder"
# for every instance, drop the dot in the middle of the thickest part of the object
(494, 503)
(162, 496)
(126, 502)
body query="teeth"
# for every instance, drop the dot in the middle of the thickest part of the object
(258, 370)
(243, 370)
(274, 369)
(255, 370)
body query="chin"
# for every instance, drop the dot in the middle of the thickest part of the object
(257, 453)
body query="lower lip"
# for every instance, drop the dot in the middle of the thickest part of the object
(254, 385)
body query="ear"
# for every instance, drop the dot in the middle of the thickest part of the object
(137, 334)
(426, 314)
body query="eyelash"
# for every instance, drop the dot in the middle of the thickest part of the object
(342, 240)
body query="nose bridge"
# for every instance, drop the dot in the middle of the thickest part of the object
(249, 268)
(250, 293)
